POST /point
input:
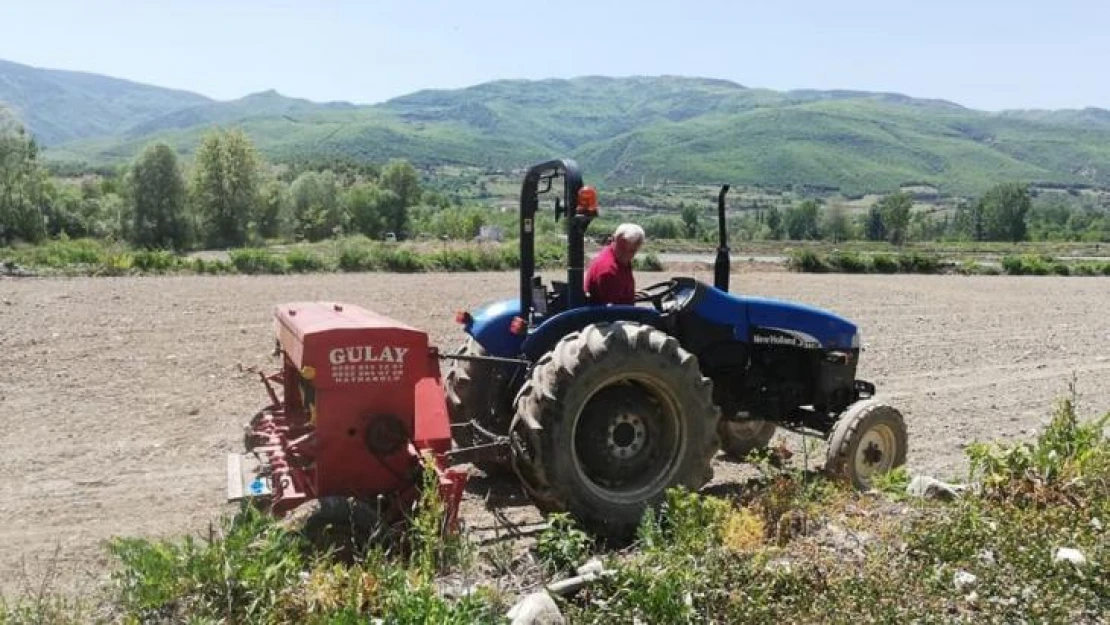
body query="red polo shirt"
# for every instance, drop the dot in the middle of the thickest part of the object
(608, 281)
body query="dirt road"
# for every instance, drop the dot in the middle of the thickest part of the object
(120, 397)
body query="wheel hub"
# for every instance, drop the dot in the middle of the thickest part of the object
(875, 452)
(872, 455)
(627, 436)
(623, 430)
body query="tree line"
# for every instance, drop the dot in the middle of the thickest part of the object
(230, 196)
(1006, 212)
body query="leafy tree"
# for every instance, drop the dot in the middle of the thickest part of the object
(225, 186)
(458, 223)
(272, 216)
(895, 211)
(366, 205)
(835, 226)
(317, 213)
(968, 223)
(401, 178)
(158, 200)
(773, 220)
(690, 220)
(660, 227)
(1048, 218)
(801, 221)
(875, 228)
(1003, 209)
(22, 186)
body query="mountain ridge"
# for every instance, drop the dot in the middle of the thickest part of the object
(621, 128)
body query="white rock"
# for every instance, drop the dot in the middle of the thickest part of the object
(779, 565)
(963, 579)
(537, 608)
(931, 488)
(1097, 524)
(593, 565)
(1067, 554)
(986, 556)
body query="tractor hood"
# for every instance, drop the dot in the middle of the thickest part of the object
(777, 321)
(768, 321)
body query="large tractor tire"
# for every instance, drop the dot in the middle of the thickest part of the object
(477, 393)
(869, 438)
(611, 418)
(740, 438)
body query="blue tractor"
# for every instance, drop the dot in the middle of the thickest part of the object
(600, 409)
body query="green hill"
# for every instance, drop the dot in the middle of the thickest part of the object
(59, 106)
(621, 129)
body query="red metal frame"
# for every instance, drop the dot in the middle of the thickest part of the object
(360, 406)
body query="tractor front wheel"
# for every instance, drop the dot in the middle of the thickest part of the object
(869, 439)
(610, 419)
(740, 438)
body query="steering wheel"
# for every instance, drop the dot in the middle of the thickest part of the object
(656, 293)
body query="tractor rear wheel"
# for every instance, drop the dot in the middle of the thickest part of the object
(477, 394)
(869, 438)
(740, 438)
(609, 420)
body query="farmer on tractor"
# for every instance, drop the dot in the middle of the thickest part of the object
(609, 278)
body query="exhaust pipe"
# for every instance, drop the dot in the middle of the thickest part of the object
(723, 265)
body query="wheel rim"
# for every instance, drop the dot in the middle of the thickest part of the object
(628, 439)
(875, 453)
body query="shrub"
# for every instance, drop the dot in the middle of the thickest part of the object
(848, 262)
(648, 262)
(807, 261)
(214, 266)
(400, 260)
(918, 263)
(116, 264)
(455, 260)
(356, 258)
(304, 261)
(1013, 265)
(884, 263)
(1069, 460)
(155, 261)
(65, 252)
(562, 545)
(257, 261)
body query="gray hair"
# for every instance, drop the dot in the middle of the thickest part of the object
(630, 233)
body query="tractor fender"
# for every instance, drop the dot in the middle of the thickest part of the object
(552, 330)
(491, 324)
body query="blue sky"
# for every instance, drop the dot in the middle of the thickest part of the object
(986, 54)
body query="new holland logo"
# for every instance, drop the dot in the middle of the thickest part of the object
(367, 364)
(786, 339)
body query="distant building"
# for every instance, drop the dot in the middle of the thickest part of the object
(491, 233)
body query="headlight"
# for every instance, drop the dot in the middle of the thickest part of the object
(856, 341)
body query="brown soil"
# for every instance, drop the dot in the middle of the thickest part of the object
(120, 397)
